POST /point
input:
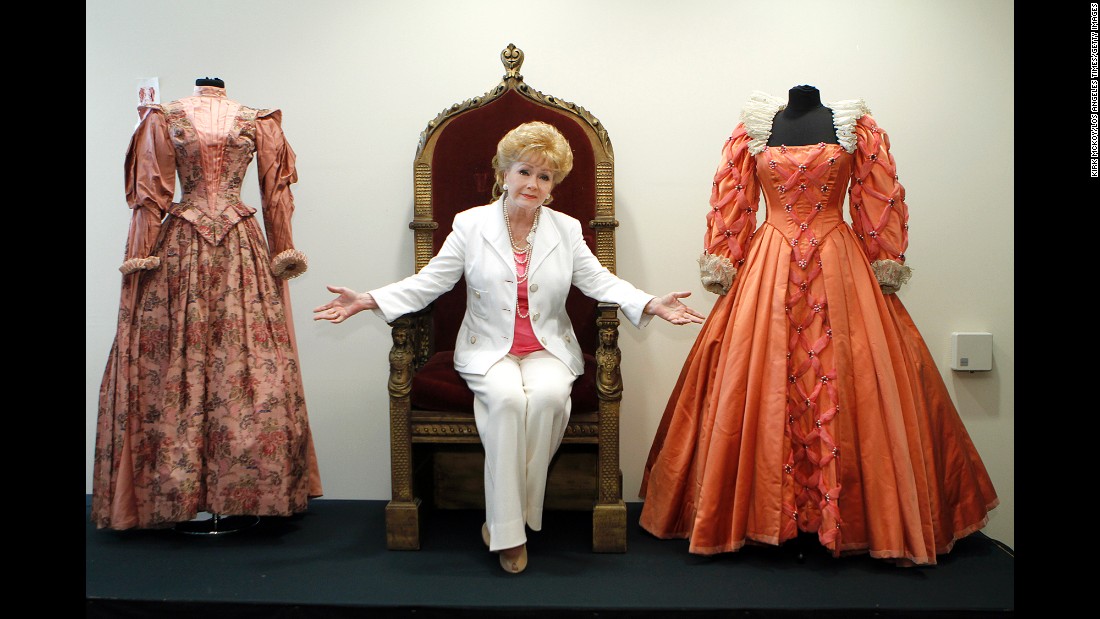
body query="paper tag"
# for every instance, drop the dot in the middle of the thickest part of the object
(148, 91)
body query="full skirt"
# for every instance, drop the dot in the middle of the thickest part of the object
(201, 407)
(810, 402)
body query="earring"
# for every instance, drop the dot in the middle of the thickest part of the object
(504, 187)
(548, 200)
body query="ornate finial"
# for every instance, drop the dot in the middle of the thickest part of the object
(512, 57)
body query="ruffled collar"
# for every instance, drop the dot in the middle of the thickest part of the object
(760, 110)
(209, 91)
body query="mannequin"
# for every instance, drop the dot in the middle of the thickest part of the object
(805, 120)
(202, 407)
(825, 425)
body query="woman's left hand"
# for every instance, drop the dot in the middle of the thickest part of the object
(673, 310)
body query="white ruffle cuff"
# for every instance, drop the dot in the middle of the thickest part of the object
(139, 264)
(890, 274)
(289, 263)
(716, 273)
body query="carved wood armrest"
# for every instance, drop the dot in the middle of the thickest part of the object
(609, 378)
(411, 336)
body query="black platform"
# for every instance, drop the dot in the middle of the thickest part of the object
(332, 562)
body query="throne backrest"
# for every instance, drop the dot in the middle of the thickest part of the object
(453, 172)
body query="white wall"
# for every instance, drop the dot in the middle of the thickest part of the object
(358, 82)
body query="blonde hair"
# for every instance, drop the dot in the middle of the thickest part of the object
(531, 141)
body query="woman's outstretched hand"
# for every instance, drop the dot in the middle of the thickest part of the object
(673, 310)
(346, 305)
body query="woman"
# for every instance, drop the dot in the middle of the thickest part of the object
(520, 256)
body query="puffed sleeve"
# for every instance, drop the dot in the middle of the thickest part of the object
(734, 201)
(275, 164)
(150, 186)
(877, 206)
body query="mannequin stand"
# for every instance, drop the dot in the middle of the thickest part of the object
(217, 525)
(803, 544)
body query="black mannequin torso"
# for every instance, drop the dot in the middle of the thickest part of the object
(210, 81)
(805, 120)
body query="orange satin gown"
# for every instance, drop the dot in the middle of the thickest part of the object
(809, 401)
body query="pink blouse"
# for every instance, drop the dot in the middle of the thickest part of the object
(524, 341)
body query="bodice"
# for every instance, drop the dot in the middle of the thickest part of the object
(214, 141)
(804, 188)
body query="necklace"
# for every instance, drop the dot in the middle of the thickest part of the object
(521, 278)
(522, 255)
(530, 235)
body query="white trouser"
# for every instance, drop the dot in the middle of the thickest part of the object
(521, 407)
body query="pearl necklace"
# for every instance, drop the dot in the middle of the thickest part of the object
(530, 235)
(517, 251)
(520, 279)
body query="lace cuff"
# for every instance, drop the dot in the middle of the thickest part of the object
(139, 264)
(290, 263)
(716, 273)
(890, 275)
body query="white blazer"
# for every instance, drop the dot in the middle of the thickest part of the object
(479, 249)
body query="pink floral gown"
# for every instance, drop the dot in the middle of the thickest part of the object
(201, 407)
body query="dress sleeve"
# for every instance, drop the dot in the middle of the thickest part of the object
(734, 201)
(877, 206)
(275, 164)
(150, 186)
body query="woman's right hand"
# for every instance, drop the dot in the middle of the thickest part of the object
(344, 306)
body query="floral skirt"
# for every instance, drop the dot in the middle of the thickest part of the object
(201, 407)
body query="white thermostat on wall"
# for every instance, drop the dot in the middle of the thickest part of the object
(971, 351)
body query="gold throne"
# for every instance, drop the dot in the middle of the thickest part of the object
(435, 454)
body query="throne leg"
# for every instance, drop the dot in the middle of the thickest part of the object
(403, 510)
(403, 525)
(609, 515)
(609, 527)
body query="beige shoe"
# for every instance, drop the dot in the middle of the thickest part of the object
(512, 566)
(516, 565)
